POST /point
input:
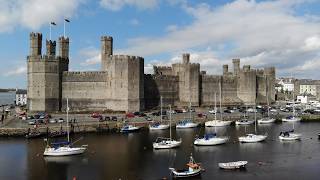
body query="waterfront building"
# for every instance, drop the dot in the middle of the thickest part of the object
(21, 97)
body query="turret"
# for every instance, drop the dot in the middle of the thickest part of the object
(246, 68)
(186, 58)
(51, 47)
(236, 66)
(225, 69)
(106, 46)
(35, 44)
(64, 47)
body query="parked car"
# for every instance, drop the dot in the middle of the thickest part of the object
(212, 111)
(130, 115)
(96, 115)
(148, 118)
(52, 121)
(107, 118)
(178, 110)
(60, 120)
(202, 115)
(114, 118)
(172, 112)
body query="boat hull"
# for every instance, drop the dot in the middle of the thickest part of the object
(130, 129)
(211, 141)
(187, 125)
(296, 119)
(291, 137)
(217, 123)
(266, 121)
(167, 145)
(233, 165)
(160, 127)
(185, 174)
(249, 122)
(64, 151)
(252, 138)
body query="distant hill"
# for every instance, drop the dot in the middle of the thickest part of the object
(7, 90)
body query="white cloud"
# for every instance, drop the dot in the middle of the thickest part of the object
(116, 5)
(92, 56)
(262, 33)
(134, 22)
(32, 14)
(17, 71)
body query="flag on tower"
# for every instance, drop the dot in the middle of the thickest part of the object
(67, 20)
(53, 23)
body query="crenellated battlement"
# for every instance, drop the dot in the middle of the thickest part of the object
(125, 57)
(85, 76)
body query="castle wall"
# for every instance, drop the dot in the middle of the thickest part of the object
(229, 91)
(247, 87)
(163, 70)
(209, 87)
(160, 85)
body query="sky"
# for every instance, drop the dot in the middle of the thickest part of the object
(280, 33)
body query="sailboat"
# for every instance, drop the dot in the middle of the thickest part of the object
(245, 120)
(252, 138)
(167, 143)
(187, 123)
(289, 135)
(267, 120)
(64, 148)
(211, 139)
(215, 122)
(292, 118)
(159, 126)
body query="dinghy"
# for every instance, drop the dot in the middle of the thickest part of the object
(159, 125)
(129, 128)
(244, 122)
(233, 165)
(289, 136)
(194, 169)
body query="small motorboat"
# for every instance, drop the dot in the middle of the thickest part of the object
(244, 122)
(210, 140)
(252, 138)
(194, 169)
(266, 120)
(129, 128)
(217, 123)
(159, 126)
(289, 136)
(33, 134)
(166, 143)
(291, 119)
(63, 149)
(233, 165)
(186, 124)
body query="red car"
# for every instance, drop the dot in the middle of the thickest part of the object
(96, 115)
(130, 115)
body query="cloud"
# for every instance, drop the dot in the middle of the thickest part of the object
(17, 71)
(115, 5)
(134, 22)
(32, 14)
(262, 33)
(92, 56)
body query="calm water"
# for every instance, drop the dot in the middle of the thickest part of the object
(130, 156)
(7, 97)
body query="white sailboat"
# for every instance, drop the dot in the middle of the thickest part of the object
(215, 122)
(252, 138)
(64, 148)
(187, 123)
(167, 143)
(289, 135)
(244, 120)
(211, 139)
(159, 126)
(267, 120)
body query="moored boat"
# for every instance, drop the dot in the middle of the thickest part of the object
(158, 126)
(210, 140)
(129, 128)
(166, 143)
(233, 165)
(252, 138)
(244, 122)
(186, 124)
(63, 149)
(194, 169)
(266, 120)
(217, 123)
(291, 119)
(289, 136)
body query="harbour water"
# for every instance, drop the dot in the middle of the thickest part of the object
(7, 97)
(131, 156)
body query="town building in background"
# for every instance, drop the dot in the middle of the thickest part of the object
(21, 97)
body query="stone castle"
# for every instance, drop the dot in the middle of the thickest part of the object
(121, 85)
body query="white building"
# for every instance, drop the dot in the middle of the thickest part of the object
(308, 89)
(286, 85)
(21, 97)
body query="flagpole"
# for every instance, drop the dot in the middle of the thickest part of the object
(50, 32)
(64, 28)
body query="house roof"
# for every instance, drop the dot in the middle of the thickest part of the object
(21, 91)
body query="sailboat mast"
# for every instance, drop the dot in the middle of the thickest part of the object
(161, 109)
(190, 102)
(215, 114)
(220, 91)
(255, 118)
(68, 120)
(170, 119)
(267, 95)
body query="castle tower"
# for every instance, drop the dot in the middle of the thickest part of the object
(270, 77)
(106, 51)
(186, 58)
(43, 76)
(64, 47)
(225, 69)
(236, 66)
(35, 44)
(51, 47)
